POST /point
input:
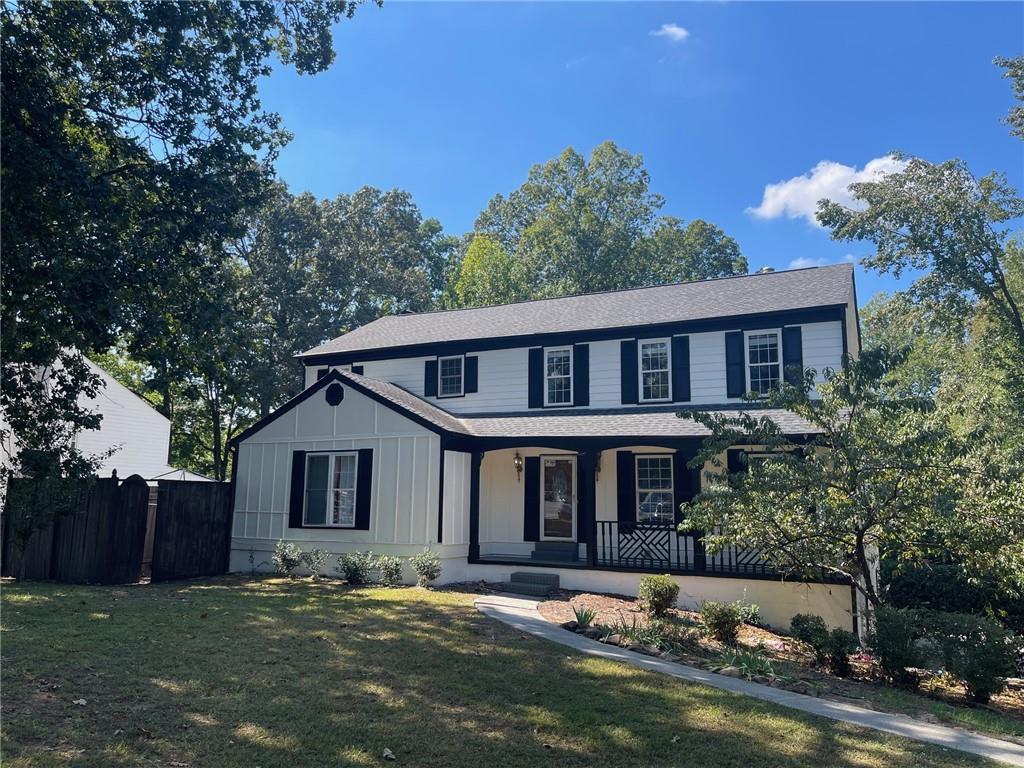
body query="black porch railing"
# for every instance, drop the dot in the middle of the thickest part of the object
(660, 547)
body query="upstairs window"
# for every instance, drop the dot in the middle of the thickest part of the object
(558, 376)
(655, 364)
(331, 490)
(764, 362)
(654, 490)
(449, 376)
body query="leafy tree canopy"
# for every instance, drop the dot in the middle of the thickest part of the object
(579, 225)
(133, 135)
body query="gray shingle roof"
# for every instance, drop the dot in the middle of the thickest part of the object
(747, 294)
(661, 422)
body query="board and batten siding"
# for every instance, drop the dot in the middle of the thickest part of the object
(404, 496)
(503, 384)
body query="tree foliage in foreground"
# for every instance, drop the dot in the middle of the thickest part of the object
(586, 224)
(133, 136)
(877, 477)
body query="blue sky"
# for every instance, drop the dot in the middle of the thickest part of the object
(455, 101)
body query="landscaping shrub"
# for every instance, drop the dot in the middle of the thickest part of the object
(750, 613)
(809, 628)
(840, 644)
(657, 594)
(314, 560)
(355, 567)
(722, 620)
(427, 565)
(286, 558)
(976, 650)
(390, 568)
(584, 616)
(897, 642)
(751, 662)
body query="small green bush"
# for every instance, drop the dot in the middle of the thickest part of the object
(751, 662)
(809, 628)
(976, 650)
(750, 613)
(355, 567)
(897, 642)
(840, 644)
(584, 616)
(314, 560)
(390, 568)
(721, 620)
(657, 594)
(427, 565)
(286, 558)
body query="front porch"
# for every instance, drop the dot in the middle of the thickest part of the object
(605, 507)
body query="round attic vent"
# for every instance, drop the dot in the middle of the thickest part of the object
(335, 393)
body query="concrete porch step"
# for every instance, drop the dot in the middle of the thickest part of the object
(548, 579)
(527, 588)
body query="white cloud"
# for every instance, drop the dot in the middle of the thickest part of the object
(671, 32)
(798, 197)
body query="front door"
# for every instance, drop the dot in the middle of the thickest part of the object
(558, 500)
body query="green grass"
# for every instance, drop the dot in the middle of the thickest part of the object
(290, 674)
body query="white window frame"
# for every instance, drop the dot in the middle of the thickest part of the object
(548, 403)
(331, 489)
(462, 376)
(746, 356)
(672, 482)
(640, 369)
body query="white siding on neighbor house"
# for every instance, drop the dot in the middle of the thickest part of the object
(406, 463)
(503, 384)
(139, 434)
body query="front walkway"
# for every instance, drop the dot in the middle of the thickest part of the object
(523, 615)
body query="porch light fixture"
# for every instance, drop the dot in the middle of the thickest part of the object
(517, 462)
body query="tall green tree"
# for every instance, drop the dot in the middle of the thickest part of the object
(587, 224)
(878, 477)
(133, 136)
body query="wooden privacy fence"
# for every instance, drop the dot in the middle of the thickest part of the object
(104, 536)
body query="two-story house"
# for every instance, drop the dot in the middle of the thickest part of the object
(542, 437)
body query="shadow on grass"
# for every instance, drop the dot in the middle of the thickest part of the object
(277, 673)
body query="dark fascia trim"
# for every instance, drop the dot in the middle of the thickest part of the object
(274, 415)
(321, 384)
(856, 310)
(562, 338)
(440, 491)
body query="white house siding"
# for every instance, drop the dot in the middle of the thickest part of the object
(503, 384)
(455, 523)
(406, 463)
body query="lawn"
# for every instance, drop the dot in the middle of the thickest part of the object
(272, 673)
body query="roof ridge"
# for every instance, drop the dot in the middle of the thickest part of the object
(613, 290)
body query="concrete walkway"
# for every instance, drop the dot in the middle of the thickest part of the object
(523, 615)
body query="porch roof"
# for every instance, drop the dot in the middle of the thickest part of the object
(657, 421)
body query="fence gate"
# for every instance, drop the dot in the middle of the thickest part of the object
(192, 536)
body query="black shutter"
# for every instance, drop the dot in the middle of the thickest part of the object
(793, 355)
(581, 374)
(364, 489)
(680, 369)
(734, 461)
(625, 481)
(531, 498)
(357, 369)
(430, 378)
(471, 374)
(297, 490)
(735, 379)
(535, 374)
(627, 366)
(321, 372)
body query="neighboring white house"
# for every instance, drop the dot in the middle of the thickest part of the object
(139, 434)
(542, 437)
